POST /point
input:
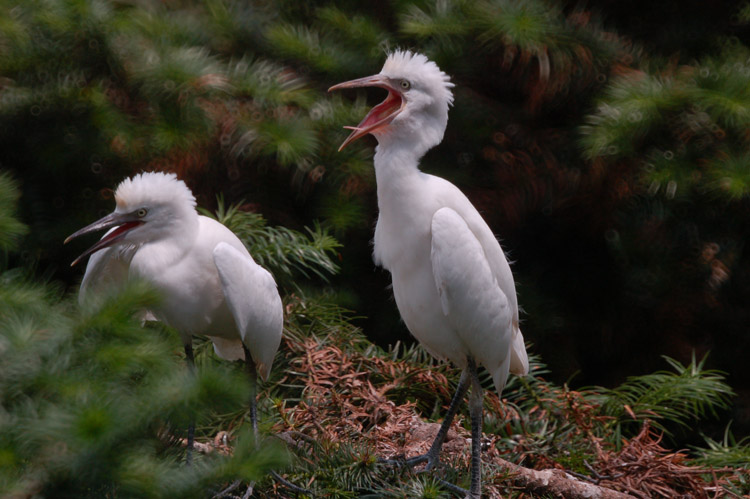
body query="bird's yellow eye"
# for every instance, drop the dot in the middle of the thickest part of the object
(405, 84)
(142, 212)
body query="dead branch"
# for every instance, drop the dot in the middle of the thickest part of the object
(555, 482)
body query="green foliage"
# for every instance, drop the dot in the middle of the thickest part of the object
(531, 26)
(152, 86)
(727, 452)
(688, 394)
(11, 229)
(552, 51)
(284, 251)
(89, 398)
(552, 421)
(443, 20)
(689, 125)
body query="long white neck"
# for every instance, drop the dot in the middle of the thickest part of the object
(414, 132)
(396, 168)
(403, 189)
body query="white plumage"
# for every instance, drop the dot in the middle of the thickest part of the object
(209, 283)
(451, 280)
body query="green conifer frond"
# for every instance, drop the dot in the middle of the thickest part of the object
(11, 229)
(727, 452)
(357, 31)
(631, 108)
(304, 44)
(682, 396)
(88, 397)
(686, 124)
(286, 139)
(731, 175)
(528, 25)
(722, 89)
(445, 18)
(268, 84)
(282, 250)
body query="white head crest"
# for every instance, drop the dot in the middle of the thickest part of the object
(417, 67)
(150, 187)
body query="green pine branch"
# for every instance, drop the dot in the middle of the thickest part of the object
(89, 399)
(11, 229)
(727, 452)
(688, 126)
(282, 250)
(679, 397)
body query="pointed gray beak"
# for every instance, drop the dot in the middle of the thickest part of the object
(124, 222)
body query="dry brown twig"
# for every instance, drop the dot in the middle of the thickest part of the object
(340, 403)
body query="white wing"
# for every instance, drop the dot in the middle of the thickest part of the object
(251, 294)
(519, 361)
(475, 306)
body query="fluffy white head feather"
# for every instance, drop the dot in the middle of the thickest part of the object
(420, 71)
(151, 188)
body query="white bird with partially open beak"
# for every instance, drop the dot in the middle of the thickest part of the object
(452, 283)
(208, 281)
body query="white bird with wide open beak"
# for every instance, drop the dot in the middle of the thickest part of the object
(208, 281)
(451, 281)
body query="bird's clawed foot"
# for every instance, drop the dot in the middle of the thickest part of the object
(411, 462)
(280, 479)
(289, 485)
(433, 462)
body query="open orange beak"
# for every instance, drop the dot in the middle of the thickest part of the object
(379, 116)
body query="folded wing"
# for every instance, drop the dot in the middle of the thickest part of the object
(473, 303)
(254, 301)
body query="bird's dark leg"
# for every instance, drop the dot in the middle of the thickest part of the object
(253, 375)
(475, 411)
(433, 455)
(191, 428)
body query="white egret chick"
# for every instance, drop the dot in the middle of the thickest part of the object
(208, 281)
(451, 281)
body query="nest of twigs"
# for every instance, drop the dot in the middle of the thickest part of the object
(348, 397)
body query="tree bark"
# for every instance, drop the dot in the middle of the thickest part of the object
(556, 482)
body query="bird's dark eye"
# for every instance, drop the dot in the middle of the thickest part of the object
(405, 84)
(142, 212)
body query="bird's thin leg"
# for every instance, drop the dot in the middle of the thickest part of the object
(475, 411)
(253, 374)
(432, 456)
(191, 428)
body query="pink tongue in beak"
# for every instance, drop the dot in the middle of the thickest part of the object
(123, 224)
(379, 116)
